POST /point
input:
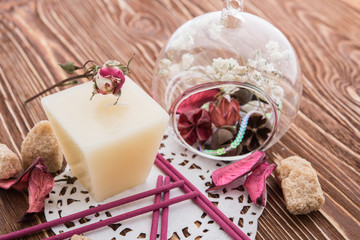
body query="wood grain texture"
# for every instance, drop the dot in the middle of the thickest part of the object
(36, 35)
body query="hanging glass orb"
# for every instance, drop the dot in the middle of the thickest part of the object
(231, 82)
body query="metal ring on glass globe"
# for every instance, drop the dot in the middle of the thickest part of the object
(230, 81)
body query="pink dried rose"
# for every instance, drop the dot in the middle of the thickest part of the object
(230, 173)
(227, 113)
(109, 79)
(197, 100)
(195, 125)
(38, 182)
(255, 183)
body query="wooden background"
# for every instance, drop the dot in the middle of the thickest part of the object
(36, 35)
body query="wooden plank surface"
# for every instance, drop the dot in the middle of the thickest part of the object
(36, 35)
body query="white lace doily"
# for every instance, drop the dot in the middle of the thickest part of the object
(186, 219)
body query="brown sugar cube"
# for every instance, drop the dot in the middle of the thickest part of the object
(9, 162)
(286, 165)
(302, 191)
(41, 141)
(79, 237)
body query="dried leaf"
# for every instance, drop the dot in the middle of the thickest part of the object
(255, 183)
(68, 67)
(228, 174)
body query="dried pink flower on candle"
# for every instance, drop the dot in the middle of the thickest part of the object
(197, 100)
(255, 183)
(226, 113)
(228, 174)
(109, 79)
(195, 125)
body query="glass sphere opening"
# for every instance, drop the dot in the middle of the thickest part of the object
(227, 141)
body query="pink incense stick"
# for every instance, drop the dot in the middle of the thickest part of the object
(90, 211)
(156, 213)
(124, 216)
(202, 201)
(165, 212)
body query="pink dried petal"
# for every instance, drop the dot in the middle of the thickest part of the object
(223, 105)
(203, 126)
(22, 181)
(226, 175)
(40, 185)
(197, 100)
(227, 113)
(189, 136)
(118, 86)
(232, 118)
(38, 182)
(216, 116)
(255, 183)
(107, 72)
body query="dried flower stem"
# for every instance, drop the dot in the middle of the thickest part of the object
(62, 83)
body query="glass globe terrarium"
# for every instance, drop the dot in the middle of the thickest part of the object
(230, 81)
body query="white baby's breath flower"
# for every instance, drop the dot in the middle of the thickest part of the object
(232, 63)
(174, 70)
(269, 67)
(286, 54)
(224, 65)
(219, 64)
(276, 56)
(209, 70)
(267, 83)
(187, 60)
(165, 63)
(241, 78)
(227, 77)
(257, 76)
(240, 70)
(272, 46)
(277, 92)
(164, 73)
(252, 63)
(215, 30)
(183, 42)
(260, 63)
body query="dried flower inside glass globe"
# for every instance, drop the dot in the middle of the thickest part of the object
(223, 57)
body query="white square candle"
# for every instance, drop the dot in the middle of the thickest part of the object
(109, 148)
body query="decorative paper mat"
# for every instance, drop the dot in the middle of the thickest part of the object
(186, 219)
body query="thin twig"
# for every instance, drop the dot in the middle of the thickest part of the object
(84, 65)
(85, 75)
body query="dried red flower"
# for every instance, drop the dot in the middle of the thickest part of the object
(227, 113)
(197, 100)
(195, 125)
(255, 183)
